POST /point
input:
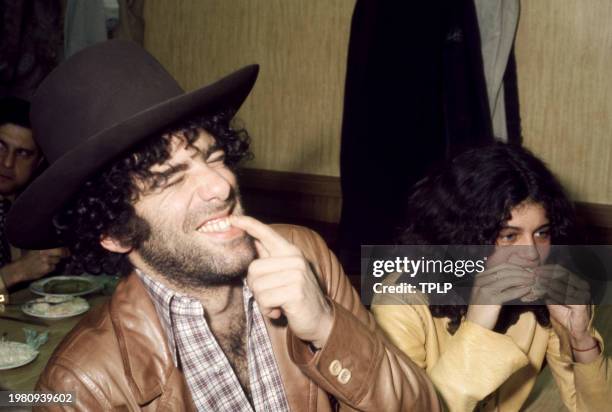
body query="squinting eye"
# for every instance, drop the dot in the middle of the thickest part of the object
(174, 182)
(217, 159)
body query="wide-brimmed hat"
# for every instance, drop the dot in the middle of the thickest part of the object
(92, 109)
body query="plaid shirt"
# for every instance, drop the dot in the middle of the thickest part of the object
(213, 384)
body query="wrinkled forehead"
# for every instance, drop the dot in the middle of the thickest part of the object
(17, 136)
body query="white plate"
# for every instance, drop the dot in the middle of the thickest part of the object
(29, 309)
(4, 366)
(38, 287)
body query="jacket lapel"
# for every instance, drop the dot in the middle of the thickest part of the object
(301, 393)
(147, 362)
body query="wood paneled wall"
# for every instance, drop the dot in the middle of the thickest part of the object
(564, 55)
(564, 58)
(295, 111)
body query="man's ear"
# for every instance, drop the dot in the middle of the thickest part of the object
(112, 244)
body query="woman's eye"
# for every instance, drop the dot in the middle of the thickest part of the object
(508, 237)
(543, 234)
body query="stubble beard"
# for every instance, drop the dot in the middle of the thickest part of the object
(172, 254)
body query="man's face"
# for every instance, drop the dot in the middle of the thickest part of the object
(19, 157)
(191, 242)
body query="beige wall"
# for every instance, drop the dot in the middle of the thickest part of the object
(564, 55)
(295, 111)
(564, 58)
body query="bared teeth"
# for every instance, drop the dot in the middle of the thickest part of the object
(215, 225)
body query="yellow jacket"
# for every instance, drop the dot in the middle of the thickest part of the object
(479, 367)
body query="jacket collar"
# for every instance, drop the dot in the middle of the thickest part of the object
(147, 361)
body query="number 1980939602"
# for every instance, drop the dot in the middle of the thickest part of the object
(11, 398)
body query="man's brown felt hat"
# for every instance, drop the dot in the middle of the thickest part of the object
(93, 108)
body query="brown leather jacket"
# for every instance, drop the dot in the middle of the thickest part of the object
(117, 357)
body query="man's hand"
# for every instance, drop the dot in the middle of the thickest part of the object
(282, 281)
(494, 287)
(33, 264)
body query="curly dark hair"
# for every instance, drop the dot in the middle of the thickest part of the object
(104, 205)
(467, 202)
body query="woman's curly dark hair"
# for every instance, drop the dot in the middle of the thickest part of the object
(104, 205)
(467, 202)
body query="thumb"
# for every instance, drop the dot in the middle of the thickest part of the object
(274, 313)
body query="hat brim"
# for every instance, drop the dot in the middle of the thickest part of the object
(30, 220)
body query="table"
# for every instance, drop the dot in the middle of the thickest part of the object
(545, 395)
(25, 377)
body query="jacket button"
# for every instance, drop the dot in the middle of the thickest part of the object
(335, 367)
(344, 376)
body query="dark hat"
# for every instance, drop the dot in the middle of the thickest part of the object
(92, 109)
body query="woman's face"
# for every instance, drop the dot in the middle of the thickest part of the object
(524, 240)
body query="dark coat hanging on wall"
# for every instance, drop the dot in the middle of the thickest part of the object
(30, 44)
(415, 95)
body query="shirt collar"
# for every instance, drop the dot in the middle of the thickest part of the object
(165, 294)
(163, 298)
